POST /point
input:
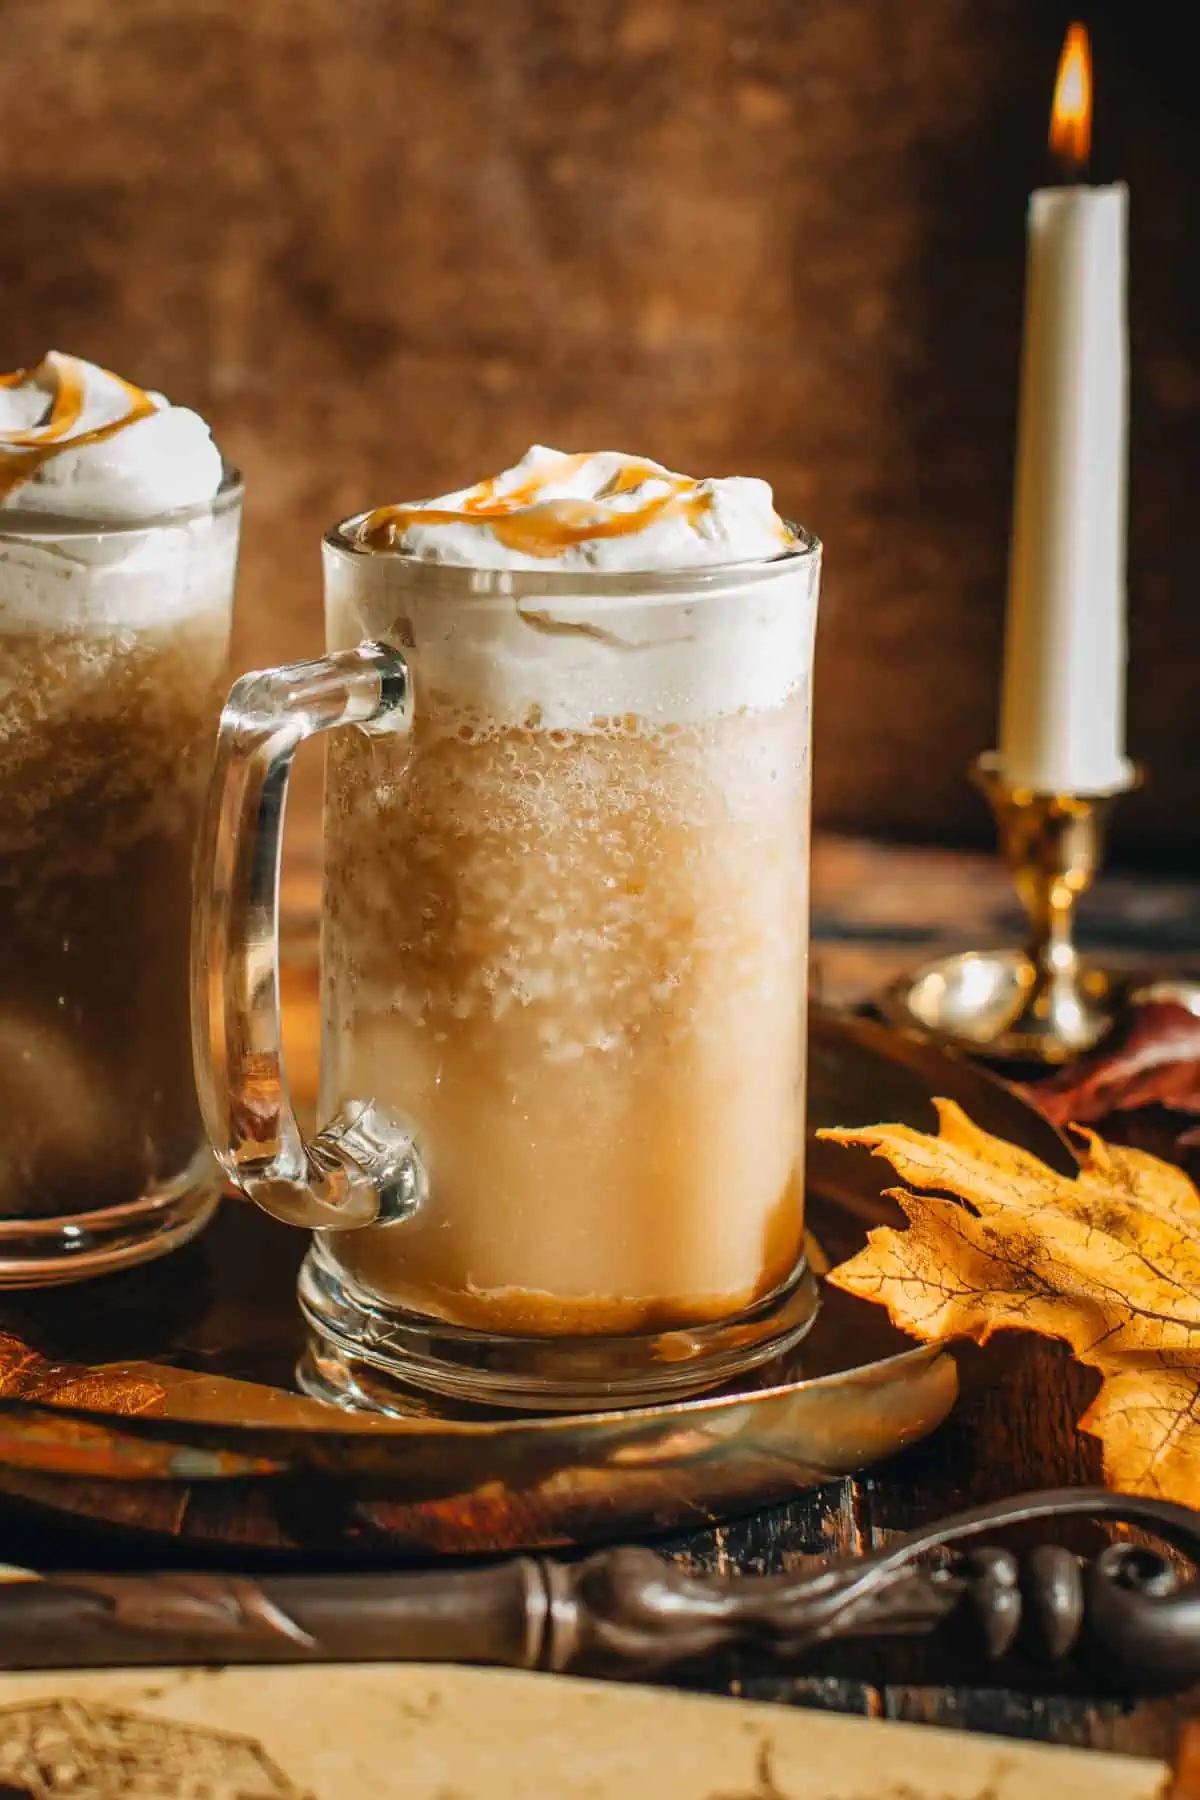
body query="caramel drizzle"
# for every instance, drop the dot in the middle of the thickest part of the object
(534, 527)
(22, 453)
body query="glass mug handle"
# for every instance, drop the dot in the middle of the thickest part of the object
(361, 1168)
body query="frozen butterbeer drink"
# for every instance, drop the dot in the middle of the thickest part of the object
(565, 938)
(118, 544)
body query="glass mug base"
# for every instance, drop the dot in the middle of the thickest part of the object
(79, 1246)
(365, 1356)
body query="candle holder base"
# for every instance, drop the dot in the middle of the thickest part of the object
(987, 1003)
(1040, 1004)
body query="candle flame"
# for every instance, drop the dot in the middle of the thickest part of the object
(1071, 118)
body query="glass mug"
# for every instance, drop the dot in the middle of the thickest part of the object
(114, 641)
(564, 961)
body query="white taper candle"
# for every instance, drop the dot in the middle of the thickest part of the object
(1063, 712)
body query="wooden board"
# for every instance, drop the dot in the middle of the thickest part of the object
(429, 1734)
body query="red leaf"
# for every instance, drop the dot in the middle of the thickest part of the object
(1150, 1058)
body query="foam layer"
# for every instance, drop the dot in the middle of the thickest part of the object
(80, 442)
(512, 651)
(102, 582)
(571, 662)
(601, 510)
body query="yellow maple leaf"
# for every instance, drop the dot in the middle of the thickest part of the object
(1107, 1260)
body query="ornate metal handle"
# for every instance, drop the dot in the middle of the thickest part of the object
(634, 1614)
(628, 1612)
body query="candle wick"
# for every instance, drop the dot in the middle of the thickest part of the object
(1069, 171)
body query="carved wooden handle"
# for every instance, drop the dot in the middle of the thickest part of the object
(628, 1612)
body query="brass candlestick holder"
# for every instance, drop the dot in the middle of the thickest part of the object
(1040, 1004)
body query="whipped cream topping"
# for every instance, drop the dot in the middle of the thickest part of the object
(542, 647)
(597, 510)
(80, 442)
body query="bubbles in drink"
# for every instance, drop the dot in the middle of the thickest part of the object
(112, 670)
(576, 960)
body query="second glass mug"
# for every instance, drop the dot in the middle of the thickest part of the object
(564, 959)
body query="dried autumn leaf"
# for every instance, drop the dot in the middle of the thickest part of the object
(27, 1375)
(1107, 1260)
(1151, 1058)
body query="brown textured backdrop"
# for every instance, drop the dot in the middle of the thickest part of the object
(384, 244)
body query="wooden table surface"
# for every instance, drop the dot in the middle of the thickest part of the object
(876, 911)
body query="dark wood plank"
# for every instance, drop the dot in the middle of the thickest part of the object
(1014, 1430)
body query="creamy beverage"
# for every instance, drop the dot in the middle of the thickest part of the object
(118, 542)
(566, 916)
(564, 941)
